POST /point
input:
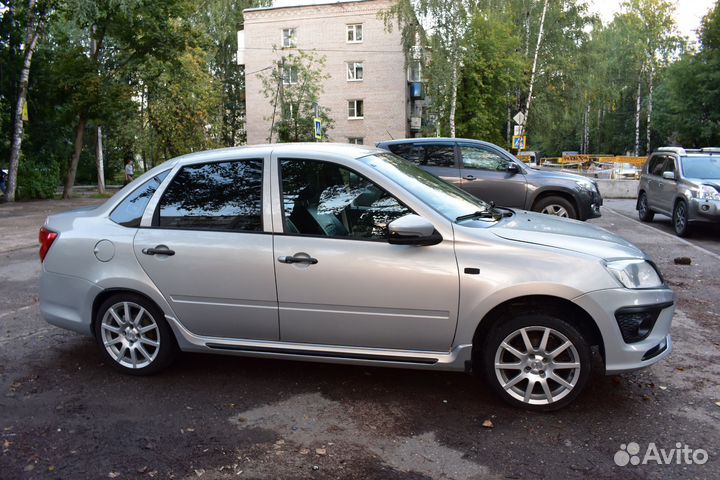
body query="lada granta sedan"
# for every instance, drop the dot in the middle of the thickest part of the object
(348, 254)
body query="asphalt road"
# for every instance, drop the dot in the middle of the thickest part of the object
(64, 414)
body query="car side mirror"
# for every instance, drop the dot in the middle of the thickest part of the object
(669, 175)
(513, 168)
(412, 229)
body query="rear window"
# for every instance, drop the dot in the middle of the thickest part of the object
(426, 154)
(130, 211)
(214, 196)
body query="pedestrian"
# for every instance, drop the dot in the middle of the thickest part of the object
(129, 171)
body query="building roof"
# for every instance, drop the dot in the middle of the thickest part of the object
(283, 4)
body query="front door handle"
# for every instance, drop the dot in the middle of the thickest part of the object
(469, 177)
(159, 250)
(292, 259)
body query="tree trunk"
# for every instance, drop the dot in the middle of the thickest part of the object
(638, 104)
(31, 39)
(534, 65)
(99, 162)
(75, 159)
(650, 106)
(453, 95)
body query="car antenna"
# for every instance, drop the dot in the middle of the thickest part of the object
(391, 137)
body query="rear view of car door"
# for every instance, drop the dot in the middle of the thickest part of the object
(208, 253)
(485, 174)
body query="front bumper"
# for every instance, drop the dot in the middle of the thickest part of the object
(589, 203)
(620, 356)
(704, 210)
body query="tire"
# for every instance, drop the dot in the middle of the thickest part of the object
(133, 335)
(552, 387)
(680, 219)
(554, 205)
(644, 212)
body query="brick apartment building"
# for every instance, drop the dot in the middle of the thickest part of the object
(368, 92)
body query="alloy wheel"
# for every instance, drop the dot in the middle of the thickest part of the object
(537, 365)
(555, 209)
(130, 335)
(680, 217)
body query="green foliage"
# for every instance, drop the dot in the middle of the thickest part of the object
(292, 88)
(37, 179)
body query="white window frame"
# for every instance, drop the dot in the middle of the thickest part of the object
(353, 108)
(292, 37)
(287, 75)
(354, 27)
(356, 140)
(352, 70)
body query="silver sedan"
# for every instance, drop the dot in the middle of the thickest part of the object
(347, 254)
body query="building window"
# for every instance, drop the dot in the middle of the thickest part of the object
(356, 140)
(354, 71)
(290, 75)
(355, 109)
(415, 72)
(289, 38)
(354, 33)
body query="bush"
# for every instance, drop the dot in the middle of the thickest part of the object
(37, 180)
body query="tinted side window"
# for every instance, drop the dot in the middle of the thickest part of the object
(322, 198)
(426, 154)
(130, 211)
(214, 196)
(656, 165)
(669, 165)
(482, 159)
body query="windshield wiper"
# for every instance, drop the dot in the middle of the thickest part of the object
(478, 214)
(507, 213)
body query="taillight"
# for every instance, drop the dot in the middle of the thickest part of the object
(46, 237)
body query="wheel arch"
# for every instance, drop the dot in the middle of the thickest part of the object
(109, 292)
(561, 307)
(564, 194)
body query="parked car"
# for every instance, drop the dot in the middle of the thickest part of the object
(494, 175)
(349, 254)
(626, 171)
(683, 184)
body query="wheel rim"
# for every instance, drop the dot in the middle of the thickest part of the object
(680, 217)
(537, 365)
(554, 209)
(130, 335)
(643, 205)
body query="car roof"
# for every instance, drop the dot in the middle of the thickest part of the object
(400, 141)
(346, 150)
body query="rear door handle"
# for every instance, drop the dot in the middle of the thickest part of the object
(159, 250)
(292, 259)
(469, 177)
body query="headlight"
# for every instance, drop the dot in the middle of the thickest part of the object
(586, 184)
(635, 273)
(706, 192)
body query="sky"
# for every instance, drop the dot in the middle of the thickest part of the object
(688, 13)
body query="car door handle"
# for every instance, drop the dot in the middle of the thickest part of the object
(159, 250)
(291, 259)
(469, 177)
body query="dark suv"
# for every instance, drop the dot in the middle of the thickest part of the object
(682, 184)
(494, 175)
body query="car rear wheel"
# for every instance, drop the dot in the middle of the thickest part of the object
(680, 219)
(644, 212)
(133, 335)
(537, 362)
(554, 205)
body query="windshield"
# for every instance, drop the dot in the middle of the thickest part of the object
(446, 199)
(701, 167)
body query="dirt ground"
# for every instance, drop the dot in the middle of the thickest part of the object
(64, 414)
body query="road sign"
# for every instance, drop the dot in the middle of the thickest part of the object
(518, 142)
(318, 129)
(519, 118)
(518, 130)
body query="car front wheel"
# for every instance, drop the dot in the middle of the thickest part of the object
(557, 206)
(537, 362)
(133, 335)
(680, 218)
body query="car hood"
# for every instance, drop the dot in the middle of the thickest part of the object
(711, 181)
(573, 235)
(558, 175)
